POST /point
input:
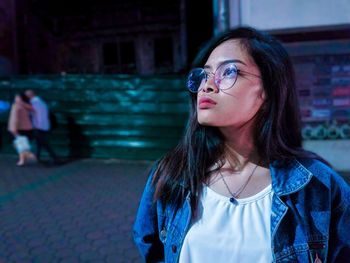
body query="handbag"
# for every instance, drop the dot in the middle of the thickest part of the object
(21, 144)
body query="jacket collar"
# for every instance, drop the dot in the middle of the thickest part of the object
(288, 178)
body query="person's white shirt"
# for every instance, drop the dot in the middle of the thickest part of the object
(228, 232)
(40, 116)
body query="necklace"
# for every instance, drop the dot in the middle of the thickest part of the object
(235, 195)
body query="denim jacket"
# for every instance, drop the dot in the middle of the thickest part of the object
(310, 217)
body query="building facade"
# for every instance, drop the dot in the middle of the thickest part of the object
(103, 36)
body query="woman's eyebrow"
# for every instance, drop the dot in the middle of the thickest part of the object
(227, 61)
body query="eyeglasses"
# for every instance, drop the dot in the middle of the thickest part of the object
(225, 76)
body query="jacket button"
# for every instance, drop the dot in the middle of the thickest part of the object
(163, 233)
(174, 248)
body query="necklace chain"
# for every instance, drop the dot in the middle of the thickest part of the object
(240, 190)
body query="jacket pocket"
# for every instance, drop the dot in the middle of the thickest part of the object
(317, 252)
(311, 252)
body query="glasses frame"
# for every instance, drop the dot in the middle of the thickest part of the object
(217, 80)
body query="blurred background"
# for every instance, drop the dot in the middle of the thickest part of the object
(113, 74)
(113, 71)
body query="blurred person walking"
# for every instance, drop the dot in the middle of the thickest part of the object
(20, 126)
(41, 124)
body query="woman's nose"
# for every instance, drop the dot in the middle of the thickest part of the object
(210, 85)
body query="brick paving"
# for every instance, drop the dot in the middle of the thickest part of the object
(80, 211)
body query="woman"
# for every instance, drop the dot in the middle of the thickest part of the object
(239, 187)
(20, 125)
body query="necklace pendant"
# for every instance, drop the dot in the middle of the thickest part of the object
(232, 200)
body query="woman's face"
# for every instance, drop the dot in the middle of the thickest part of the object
(238, 105)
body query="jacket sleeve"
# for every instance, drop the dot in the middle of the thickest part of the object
(145, 230)
(339, 236)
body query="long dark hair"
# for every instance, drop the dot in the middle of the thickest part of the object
(277, 135)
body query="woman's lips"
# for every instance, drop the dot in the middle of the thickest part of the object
(205, 103)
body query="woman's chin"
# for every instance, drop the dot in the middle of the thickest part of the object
(206, 122)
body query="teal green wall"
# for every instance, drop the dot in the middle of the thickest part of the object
(107, 116)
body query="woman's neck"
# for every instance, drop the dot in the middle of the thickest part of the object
(240, 146)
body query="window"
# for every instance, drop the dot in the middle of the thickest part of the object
(110, 54)
(163, 54)
(127, 57)
(119, 57)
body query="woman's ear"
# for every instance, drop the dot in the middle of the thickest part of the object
(263, 94)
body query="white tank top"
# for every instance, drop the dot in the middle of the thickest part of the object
(227, 232)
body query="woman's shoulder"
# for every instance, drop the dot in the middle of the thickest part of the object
(316, 166)
(319, 169)
(324, 173)
(22, 111)
(151, 172)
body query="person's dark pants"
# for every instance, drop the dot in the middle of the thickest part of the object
(42, 142)
(28, 133)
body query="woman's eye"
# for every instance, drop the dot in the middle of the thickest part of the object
(229, 73)
(206, 76)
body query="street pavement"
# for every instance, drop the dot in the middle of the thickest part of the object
(80, 211)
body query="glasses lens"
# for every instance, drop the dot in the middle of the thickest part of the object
(195, 79)
(226, 76)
